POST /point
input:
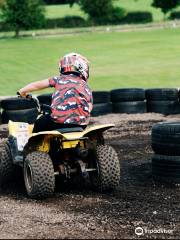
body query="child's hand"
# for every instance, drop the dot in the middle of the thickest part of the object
(28, 95)
(18, 94)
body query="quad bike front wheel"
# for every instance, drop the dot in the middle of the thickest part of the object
(39, 175)
(107, 175)
(7, 168)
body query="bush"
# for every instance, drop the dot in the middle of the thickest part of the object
(117, 15)
(137, 17)
(99, 11)
(66, 22)
(174, 15)
(4, 27)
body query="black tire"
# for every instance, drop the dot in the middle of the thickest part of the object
(101, 109)
(163, 107)
(166, 168)
(165, 138)
(162, 94)
(26, 115)
(105, 159)
(127, 95)
(7, 168)
(45, 98)
(39, 175)
(101, 97)
(129, 107)
(17, 103)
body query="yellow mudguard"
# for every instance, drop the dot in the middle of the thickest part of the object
(75, 135)
(23, 133)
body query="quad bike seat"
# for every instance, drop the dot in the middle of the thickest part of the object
(69, 130)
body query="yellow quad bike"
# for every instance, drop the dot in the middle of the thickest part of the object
(66, 152)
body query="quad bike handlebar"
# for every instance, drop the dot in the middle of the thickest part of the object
(42, 108)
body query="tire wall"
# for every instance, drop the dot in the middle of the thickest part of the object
(163, 100)
(123, 100)
(128, 100)
(18, 110)
(137, 100)
(165, 142)
(101, 103)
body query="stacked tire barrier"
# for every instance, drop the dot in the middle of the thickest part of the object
(123, 100)
(163, 100)
(101, 103)
(132, 100)
(19, 110)
(128, 100)
(166, 146)
(45, 98)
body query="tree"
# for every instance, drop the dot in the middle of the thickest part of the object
(165, 5)
(23, 14)
(99, 11)
(102, 11)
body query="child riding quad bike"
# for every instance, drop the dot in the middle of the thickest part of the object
(60, 143)
(65, 152)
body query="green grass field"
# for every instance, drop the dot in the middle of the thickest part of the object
(58, 11)
(130, 59)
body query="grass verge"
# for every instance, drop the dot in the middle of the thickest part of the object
(118, 59)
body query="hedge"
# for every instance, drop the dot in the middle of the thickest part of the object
(174, 15)
(138, 17)
(66, 22)
(77, 21)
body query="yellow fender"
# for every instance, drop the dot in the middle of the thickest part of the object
(71, 139)
(25, 137)
(14, 127)
(75, 135)
(96, 128)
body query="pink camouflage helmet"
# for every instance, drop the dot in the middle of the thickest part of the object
(74, 63)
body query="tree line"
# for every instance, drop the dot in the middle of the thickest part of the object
(28, 14)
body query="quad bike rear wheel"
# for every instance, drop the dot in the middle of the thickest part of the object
(107, 175)
(7, 168)
(39, 175)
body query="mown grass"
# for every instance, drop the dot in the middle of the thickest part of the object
(58, 11)
(129, 59)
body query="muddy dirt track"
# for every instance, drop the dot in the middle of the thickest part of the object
(78, 212)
